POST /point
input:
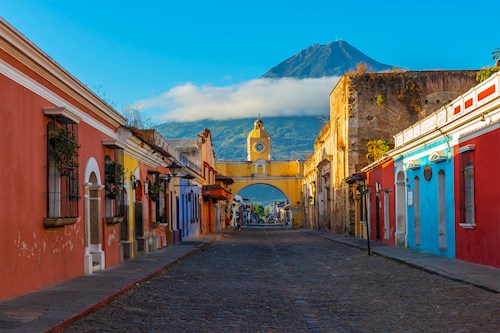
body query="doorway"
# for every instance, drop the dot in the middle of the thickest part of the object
(94, 257)
(401, 209)
(442, 211)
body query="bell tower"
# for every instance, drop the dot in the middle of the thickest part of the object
(258, 143)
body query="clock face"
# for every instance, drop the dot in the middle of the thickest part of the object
(259, 147)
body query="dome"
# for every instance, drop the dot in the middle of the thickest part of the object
(258, 130)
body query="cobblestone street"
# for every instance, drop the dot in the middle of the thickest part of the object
(291, 281)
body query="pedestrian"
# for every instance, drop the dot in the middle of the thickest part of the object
(228, 221)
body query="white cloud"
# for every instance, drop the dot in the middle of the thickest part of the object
(269, 97)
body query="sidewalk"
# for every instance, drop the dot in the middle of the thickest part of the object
(485, 277)
(54, 308)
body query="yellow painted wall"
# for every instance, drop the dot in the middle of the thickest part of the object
(130, 164)
(284, 175)
(274, 168)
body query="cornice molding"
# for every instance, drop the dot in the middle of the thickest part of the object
(20, 78)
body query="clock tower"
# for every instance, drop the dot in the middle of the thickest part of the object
(258, 143)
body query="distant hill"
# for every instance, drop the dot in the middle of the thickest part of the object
(230, 136)
(333, 59)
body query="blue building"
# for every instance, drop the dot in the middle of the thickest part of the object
(429, 172)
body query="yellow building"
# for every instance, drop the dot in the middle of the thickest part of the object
(285, 175)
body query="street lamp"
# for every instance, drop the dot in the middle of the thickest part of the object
(359, 179)
(174, 169)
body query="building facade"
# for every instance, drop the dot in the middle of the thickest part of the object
(260, 168)
(54, 136)
(444, 179)
(375, 106)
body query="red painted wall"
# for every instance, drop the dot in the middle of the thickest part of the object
(34, 257)
(383, 174)
(481, 244)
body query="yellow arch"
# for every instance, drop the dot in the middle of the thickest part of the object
(285, 175)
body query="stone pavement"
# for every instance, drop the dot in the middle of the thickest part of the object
(53, 308)
(485, 277)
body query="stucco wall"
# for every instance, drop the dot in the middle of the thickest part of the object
(480, 245)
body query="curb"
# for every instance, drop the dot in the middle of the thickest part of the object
(67, 322)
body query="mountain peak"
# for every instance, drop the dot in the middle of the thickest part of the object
(318, 60)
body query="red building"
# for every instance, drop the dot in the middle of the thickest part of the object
(477, 175)
(53, 132)
(380, 206)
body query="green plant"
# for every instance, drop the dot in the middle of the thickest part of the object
(485, 73)
(380, 99)
(496, 57)
(111, 191)
(113, 173)
(377, 149)
(63, 147)
(154, 190)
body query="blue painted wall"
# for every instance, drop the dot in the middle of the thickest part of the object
(189, 205)
(429, 241)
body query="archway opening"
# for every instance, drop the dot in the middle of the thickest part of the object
(263, 204)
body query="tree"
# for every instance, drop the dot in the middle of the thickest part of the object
(259, 211)
(496, 57)
(136, 118)
(487, 71)
(361, 68)
(377, 149)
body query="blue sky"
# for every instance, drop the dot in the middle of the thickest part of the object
(174, 51)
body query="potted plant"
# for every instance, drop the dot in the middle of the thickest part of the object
(113, 176)
(154, 191)
(111, 192)
(63, 147)
(113, 173)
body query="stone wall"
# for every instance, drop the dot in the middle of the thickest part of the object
(375, 106)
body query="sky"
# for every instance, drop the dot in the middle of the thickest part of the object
(190, 59)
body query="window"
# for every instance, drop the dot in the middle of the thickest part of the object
(468, 175)
(62, 171)
(114, 179)
(467, 200)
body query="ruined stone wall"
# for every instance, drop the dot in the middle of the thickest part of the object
(377, 106)
(384, 104)
(339, 116)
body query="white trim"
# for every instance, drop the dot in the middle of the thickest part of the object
(465, 148)
(467, 225)
(22, 79)
(61, 111)
(471, 135)
(413, 164)
(113, 142)
(438, 156)
(424, 153)
(91, 166)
